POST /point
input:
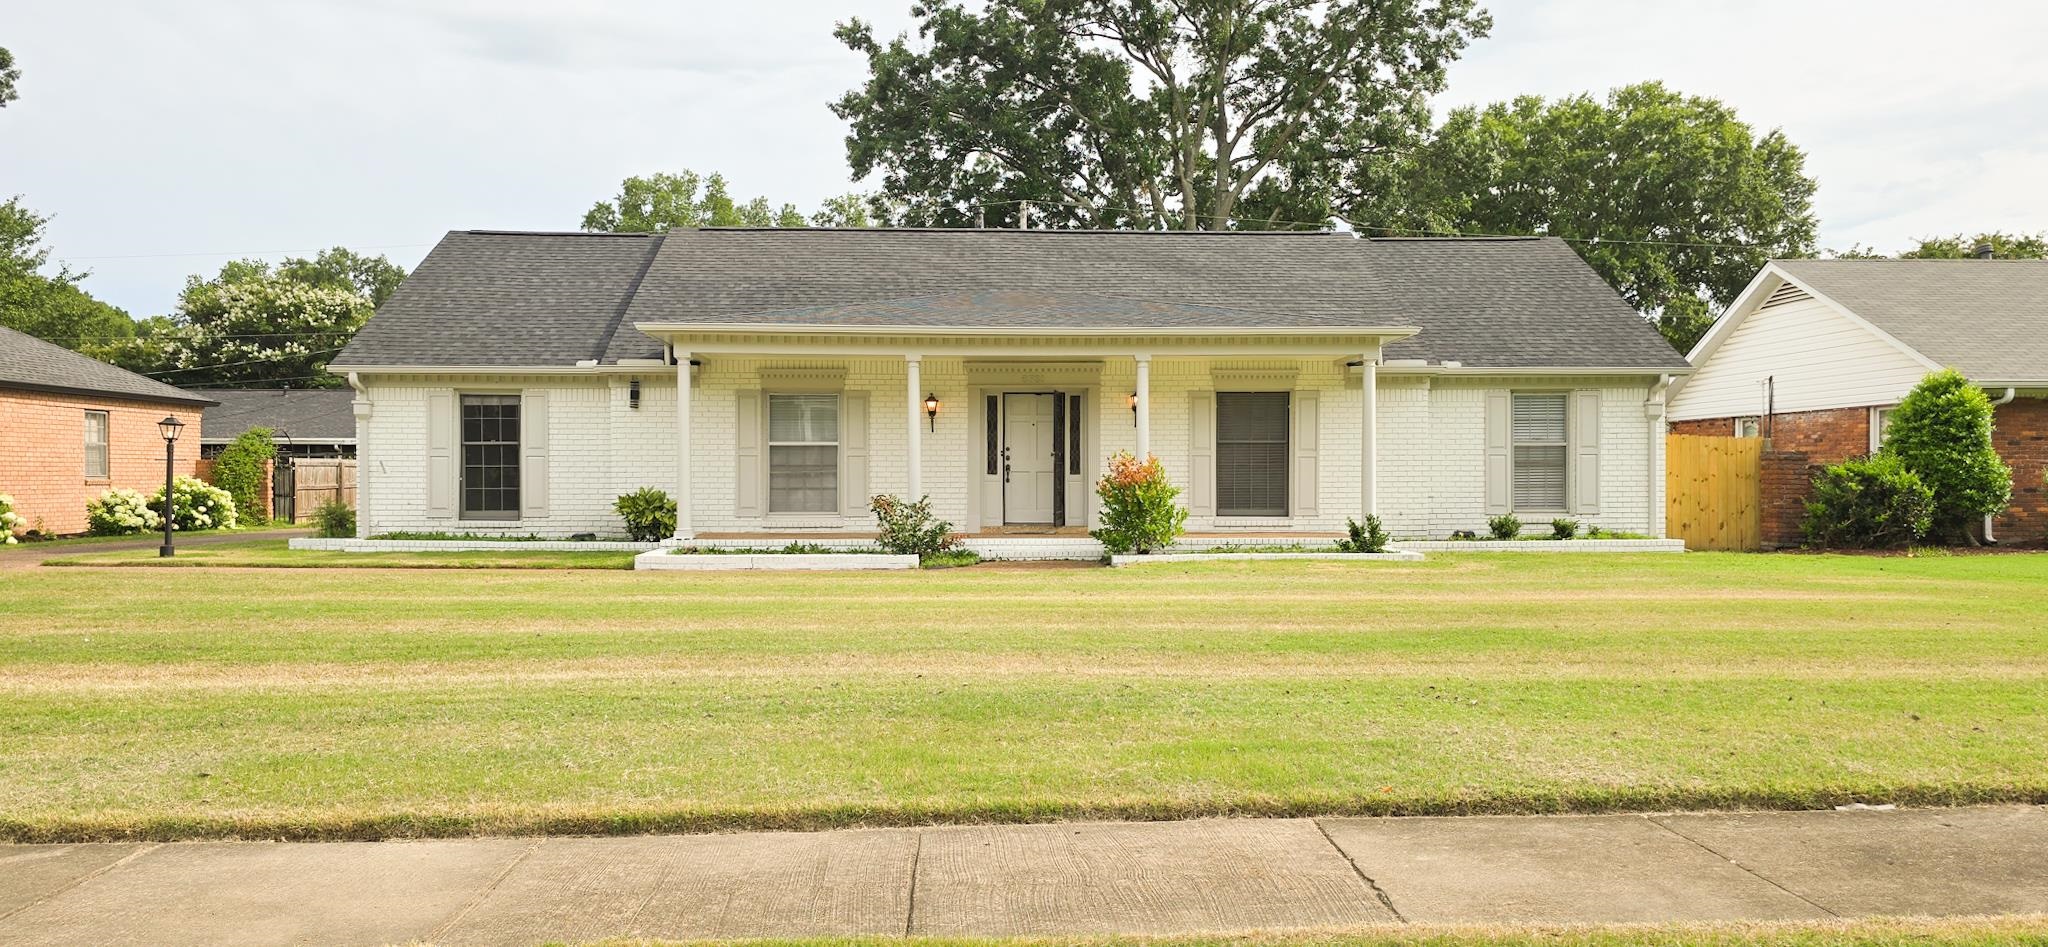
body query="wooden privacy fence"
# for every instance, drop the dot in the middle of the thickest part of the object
(1713, 495)
(317, 480)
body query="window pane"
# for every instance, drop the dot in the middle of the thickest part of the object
(96, 443)
(1251, 453)
(803, 419)
(1539, 419)
(1539, 477)
(803, 479)
(490, 455)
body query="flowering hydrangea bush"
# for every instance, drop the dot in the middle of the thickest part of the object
(9, 520)
(196, 504)
(121, 511)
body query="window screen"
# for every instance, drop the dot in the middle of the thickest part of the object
(490, 456)
(96, 444)
(1539, 435)
(803, 453)
(1251, 453)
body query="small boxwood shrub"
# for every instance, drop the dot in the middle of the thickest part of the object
(239, 471)
(335, 520)
(1368, 538)
(650, 514)
(1504, 526)
(1868, 503)
(1138, 512)
(120, 511)
(910, 529)
(196, 504)
(1563, 529)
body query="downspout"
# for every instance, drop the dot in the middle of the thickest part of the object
(361, 408)
(1990, 540)
(1653, 409)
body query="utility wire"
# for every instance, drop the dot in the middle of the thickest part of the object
(252, 361)
(238, 253)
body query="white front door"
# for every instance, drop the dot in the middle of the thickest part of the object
(1027, 454)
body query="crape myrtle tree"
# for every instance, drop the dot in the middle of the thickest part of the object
(1142, 113)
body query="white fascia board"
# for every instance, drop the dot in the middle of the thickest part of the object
(693, 328)
(1558, 370)
(470, 370)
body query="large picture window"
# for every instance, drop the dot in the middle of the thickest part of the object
(1540, 451)
(490, 456)
(96, 445)
(1251, 453)
(803, 453)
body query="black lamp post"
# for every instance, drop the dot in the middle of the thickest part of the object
(169, 428)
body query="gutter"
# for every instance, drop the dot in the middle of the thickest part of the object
(1990, 540)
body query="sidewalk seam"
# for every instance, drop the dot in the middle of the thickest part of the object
(82, 879)
(910, 908)
(1386, 901)
(485, 892)
(1709, 849)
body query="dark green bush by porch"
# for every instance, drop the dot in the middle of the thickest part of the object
(1868, 503)
(1369, 538)
(239, 471)
(1505, 526)
(650, 514)
(910, 529)
(1138, 512)
(335, 520)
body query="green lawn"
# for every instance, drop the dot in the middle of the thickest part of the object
(274, 554)
(328, 703)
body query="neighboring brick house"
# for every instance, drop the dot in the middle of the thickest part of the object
(1816, 353)
(74, 427)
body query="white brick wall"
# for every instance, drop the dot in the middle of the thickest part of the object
(1431, 432)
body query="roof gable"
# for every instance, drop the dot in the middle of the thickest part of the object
(1985, 318)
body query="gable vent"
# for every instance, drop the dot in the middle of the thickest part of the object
(1786, 295)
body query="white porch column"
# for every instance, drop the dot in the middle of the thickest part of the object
(1144, 391)
(1368, 438)
(913, 453)
(683, 446)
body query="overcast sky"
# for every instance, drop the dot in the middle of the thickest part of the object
(167, 137)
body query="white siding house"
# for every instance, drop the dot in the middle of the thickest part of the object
(519, 383)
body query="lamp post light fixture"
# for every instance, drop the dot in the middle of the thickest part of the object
(169, 427)
(931, 409)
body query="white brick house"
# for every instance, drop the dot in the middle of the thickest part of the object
(518, 383)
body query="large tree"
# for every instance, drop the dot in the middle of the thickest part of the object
(658, 203)
(372, 277)
(2004, 246)
(51, 307)
(1142, 113)
(1673, 199)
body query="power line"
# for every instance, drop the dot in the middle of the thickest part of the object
(238, 253)
(252, 361)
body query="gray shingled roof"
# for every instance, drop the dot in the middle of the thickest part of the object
(1485, 302)
(1985, 318)
(29, 362)
(302, 415)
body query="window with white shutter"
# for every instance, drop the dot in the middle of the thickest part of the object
(1540, 451)
(803, 453)
(1251, 453)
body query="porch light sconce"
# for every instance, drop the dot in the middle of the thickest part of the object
(1133, 402)
(633, 394)
(931, 409)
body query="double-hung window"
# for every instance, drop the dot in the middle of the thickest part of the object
(490, 457)
(803, 453)
(1540, 451)
(96, 445)
(1251, 453)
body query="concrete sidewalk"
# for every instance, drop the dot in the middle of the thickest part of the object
(1082, 878)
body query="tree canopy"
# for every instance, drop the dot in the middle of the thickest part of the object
(1672, 198)
(50, 307)
(372, 277)
(662, 202)
(1142, 113)
(9, 75)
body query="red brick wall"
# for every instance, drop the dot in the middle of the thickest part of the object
(1829, 437)
(2020, 432)
(42, 462)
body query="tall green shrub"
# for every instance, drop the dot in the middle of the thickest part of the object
(1869, 503)
(650, 514)
(910, 529)
(1138, 512)
(239, 471)
(1942, 433)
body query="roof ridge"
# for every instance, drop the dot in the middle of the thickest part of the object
(556, 233)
